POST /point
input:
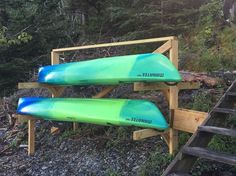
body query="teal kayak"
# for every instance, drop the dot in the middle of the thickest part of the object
(119, 112)
(111, 71)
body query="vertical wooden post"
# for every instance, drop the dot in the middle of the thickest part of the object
(31, 137)
(57, 92)
(54, 58)
(173, 101)
(75, 126)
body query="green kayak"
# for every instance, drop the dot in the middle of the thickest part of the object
(112, 70)
(120, 112)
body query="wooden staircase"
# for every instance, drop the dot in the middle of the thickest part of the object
(196, 147)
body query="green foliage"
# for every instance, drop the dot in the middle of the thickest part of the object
(209, 47)
(202, 101)
(21, 38)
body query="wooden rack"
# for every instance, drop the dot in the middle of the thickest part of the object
(180, 119)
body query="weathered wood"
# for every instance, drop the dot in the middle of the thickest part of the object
(231, 93)
(188, 120)
(141, 86)
(133, 42)
(225, 110)
(218, 130)
(31, 137)
(210, 155)
(54, 58)
(163, 48)
(104, 92)
(145, 133)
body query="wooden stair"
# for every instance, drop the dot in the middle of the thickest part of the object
(196, 147)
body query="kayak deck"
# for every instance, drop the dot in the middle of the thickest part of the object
(121, 112)
(149, 67)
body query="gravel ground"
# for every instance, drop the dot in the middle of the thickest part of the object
(78, 155)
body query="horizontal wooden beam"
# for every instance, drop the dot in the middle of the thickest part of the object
(132, 42)
(188, 120)
(29, 85)
(24, 118)
(141, 86)
(145, 133)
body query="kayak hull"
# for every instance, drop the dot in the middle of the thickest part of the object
(119, 112)
(111, 71)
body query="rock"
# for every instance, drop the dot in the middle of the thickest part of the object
(44, 167)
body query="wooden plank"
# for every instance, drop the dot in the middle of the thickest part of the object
(218, 130)
(145, 133)
(24, 118)
(29, 85)
(163, 48)
(75, 126)
(141, 86)
(173, 101)
(210, 155)
(31, 137)
(132, 42)
(188, 120)
(104, 92)
(54, 58)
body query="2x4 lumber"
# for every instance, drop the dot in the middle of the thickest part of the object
(75, 126)
(188, 120)
(163, 48)
(141, 86)
(132, 42)
(31, 137)
(218, 130)
(29, 85)
(210, 155)
(104, 92)
(145, 133)
(173, 101)
(54, 58)
(24, 118)
(32, 85)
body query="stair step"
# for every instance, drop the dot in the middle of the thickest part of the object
(210, 155)
(225, 110)
(218, 130)
(231, 93)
